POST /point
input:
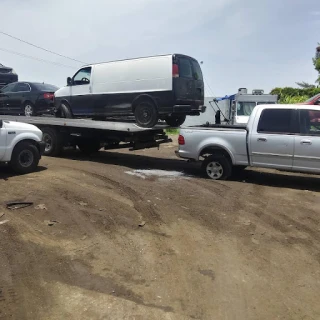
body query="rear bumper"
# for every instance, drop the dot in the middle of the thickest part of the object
(189, 109)
(42, 146)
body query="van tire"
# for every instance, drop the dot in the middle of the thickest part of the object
(217, 167)
(53, 141)
(25, 157)
(175, 120)
(146, 114)
(65, 111)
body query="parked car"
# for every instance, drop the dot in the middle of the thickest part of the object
(167, 87)
(7, 75)
(315, 100)
(20, 145)
(276, 136)
(27, 98)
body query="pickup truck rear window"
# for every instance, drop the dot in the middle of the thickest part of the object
(276, 121)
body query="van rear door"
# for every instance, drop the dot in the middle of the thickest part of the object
(187, 81)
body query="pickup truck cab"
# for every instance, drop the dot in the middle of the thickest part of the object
(285, 137)
(20, 145)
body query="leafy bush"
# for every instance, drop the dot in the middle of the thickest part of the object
(292, 100)
(294, 95)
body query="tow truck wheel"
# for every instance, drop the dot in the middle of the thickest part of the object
(53, 141)
(25, 157)
(217, 167)
(175, 120)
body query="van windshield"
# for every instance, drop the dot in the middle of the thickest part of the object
(245, 108)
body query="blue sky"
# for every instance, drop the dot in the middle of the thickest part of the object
(253, 44)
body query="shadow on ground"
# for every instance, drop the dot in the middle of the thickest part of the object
(270, 178)
(6, 172)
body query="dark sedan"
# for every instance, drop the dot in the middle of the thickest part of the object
(27, 98)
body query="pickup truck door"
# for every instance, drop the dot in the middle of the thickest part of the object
(3, 140)
(307, 142)
(272, 140)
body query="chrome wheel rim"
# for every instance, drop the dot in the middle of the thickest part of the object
(214, 170)
(26, 158)
(28, 110)
(48, 141)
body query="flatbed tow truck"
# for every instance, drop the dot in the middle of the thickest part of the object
(92, 135)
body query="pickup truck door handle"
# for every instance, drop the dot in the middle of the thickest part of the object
(306, 142)
(262, 139)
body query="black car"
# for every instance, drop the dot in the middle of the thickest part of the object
(27, 98)
(7, 75)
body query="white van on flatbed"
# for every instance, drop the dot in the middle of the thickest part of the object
(165, 87)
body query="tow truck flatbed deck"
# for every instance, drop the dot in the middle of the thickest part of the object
(126, 126)
(91, 135)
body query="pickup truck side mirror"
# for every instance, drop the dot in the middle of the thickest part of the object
(1, 123)
(69, 81)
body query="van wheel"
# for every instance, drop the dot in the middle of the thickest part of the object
(217, 167)
(53, 141)
(88, 146)
(25, 157)
(176, 120)
(65, 111)
(146, 114)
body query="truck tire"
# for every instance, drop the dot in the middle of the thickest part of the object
(65, 111)
(175, 120)
(146, 114)
(25, 157)
(88, 146)
(217, 167)
(53, 141)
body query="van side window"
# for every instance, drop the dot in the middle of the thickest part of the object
(310, 122)
(82, 77)
(185, 69)
(276, 121)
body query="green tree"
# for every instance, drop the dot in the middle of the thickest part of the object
(316, 63)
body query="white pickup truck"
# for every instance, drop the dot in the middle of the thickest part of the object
(20, 145)
(285, 137)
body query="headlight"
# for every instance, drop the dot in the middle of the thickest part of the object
(13, 71)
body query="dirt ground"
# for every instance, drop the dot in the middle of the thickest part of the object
(246, 249)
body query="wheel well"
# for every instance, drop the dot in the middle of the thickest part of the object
(33, 142)
(67, 104)
(141, 98)
(215, 151)
(27, 101)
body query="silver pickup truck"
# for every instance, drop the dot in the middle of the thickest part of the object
(285, 137)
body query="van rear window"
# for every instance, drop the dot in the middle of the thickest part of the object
(197, 70)
(185, 69)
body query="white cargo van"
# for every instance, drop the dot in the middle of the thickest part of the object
(166, 87)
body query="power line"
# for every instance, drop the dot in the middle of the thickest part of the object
(38, 47)
(34, 58)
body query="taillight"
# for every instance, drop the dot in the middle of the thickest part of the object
(175, 71)
(181, 140)
(48, 96)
